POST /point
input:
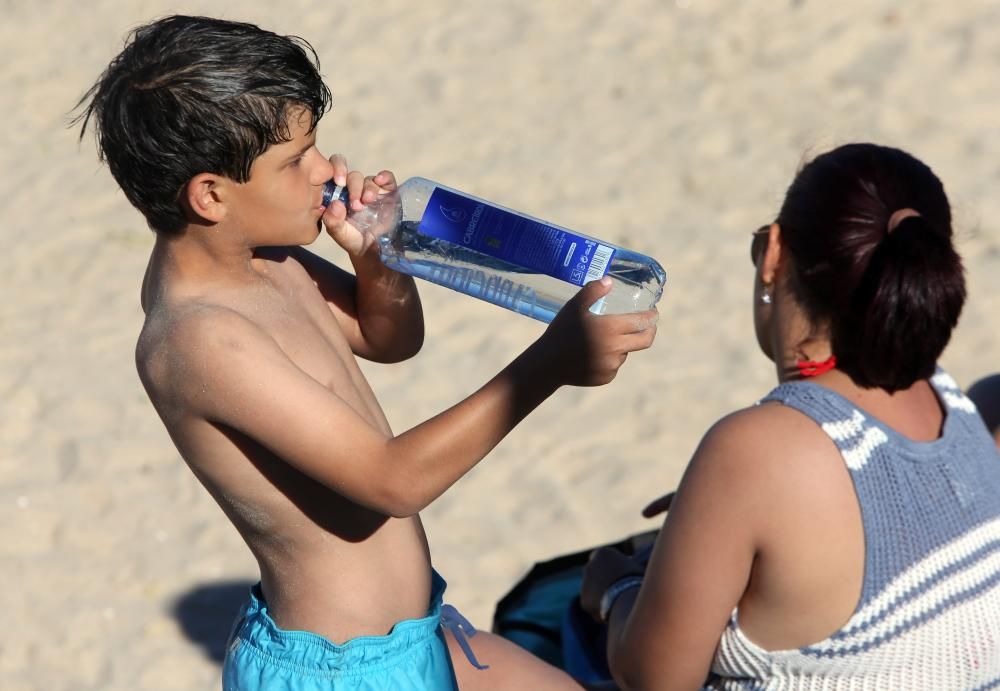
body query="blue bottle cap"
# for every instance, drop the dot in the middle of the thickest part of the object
(333, 192)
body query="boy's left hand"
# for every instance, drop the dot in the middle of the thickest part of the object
(362, 190)
(579, 348)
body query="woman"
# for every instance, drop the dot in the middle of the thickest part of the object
(845, 531)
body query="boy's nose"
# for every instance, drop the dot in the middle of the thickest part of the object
(324, 171)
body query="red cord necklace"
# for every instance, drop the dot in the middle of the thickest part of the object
(811, 368)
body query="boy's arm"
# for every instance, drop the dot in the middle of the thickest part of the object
(378, 309)
(237, 376)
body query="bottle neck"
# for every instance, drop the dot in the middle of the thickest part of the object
(333, 192)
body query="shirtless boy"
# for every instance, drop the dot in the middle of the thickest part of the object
(248, 355)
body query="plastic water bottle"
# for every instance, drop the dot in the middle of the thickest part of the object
(526, 265)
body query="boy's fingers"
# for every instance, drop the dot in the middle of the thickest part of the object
(339, 164)
(591, 293)
(633, 322)
(355, 187)
(644, 321)
(386, 180)
(372, 190)
(638, 341)
(334, 214)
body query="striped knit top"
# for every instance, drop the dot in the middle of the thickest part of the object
(929, 612)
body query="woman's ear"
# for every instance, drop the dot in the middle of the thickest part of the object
(772, 255)
(204, 198)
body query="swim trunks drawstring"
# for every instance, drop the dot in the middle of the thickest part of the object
(461, 629)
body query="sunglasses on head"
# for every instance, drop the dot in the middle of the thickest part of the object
(758, 243)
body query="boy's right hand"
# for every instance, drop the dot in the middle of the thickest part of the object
(585, 349)
(363, 191)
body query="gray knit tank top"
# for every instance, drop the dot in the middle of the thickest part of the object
(929, 612)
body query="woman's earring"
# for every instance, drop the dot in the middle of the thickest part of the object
(765, 296)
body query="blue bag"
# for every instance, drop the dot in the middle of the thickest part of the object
(542, 613)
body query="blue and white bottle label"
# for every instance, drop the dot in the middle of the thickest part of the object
(513, 238)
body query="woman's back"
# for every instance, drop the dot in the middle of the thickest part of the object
(903, 590)
(850, 523)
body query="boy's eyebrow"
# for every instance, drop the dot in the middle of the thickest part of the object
(301, 151)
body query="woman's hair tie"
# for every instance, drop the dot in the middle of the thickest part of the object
(897, 217)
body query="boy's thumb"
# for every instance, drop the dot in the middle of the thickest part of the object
(592, 292)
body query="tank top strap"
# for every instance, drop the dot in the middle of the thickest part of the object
(953, 398)
(855, 435)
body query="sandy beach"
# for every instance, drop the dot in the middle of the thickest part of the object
(669, 127)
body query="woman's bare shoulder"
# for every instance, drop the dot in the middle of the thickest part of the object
(763, 428)
(769, 446)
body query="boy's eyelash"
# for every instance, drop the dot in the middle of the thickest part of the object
(295, 161)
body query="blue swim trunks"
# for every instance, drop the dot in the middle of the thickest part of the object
(414, 655)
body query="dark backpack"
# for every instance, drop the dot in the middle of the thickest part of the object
(542, 613)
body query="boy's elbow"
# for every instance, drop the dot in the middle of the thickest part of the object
(392, 504)
(412, 337)
(414, 340)
(402, 500)
(399, 350)
(401, 509)
(412, 346)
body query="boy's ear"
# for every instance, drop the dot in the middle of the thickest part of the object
(205, 198)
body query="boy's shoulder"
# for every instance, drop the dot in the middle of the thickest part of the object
(182, 342)
(179, 317)
(203, 335)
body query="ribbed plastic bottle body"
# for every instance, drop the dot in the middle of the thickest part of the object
(403, 227)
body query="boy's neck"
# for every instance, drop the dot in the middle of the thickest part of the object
(206, 253)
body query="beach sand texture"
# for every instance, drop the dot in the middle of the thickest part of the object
(672, 128)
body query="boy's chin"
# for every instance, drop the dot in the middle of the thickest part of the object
(312, 239)
(304, 237)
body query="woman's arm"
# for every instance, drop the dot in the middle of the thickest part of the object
(664, 634)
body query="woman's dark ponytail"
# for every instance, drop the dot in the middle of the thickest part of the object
(889, 298)
(900, 316)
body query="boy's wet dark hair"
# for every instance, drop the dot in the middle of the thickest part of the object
(190, 95)
(889, 296)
